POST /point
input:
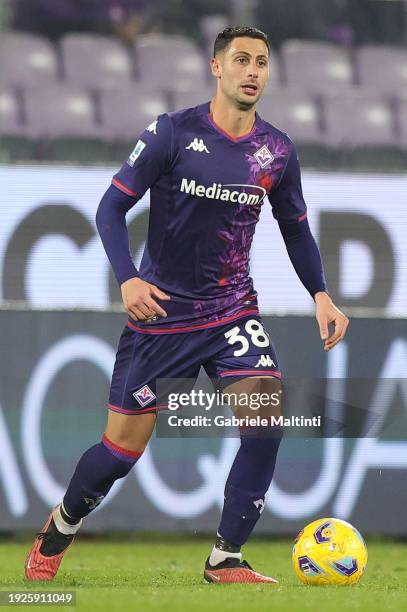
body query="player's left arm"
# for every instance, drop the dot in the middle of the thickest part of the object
(290, 210)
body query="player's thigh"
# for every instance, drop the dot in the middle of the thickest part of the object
(246, 366)
(254, 395)
(145, 365)
(142, 361)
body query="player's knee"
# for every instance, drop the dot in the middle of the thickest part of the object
(266, 399)
(131, 433)
(128, 444)
(263, 438)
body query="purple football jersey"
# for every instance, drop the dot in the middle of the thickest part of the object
(206, 192)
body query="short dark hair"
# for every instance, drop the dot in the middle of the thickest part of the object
(225, 37)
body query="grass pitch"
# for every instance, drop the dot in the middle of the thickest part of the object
(138, 573)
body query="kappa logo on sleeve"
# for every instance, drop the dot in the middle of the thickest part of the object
(138, 149)
(152, 127)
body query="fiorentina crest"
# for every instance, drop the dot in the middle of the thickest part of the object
(264, 157)
(144, 395)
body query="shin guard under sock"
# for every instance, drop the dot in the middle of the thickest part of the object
(247, 484)
(95, 473)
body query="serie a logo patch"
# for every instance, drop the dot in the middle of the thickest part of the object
(136, 152)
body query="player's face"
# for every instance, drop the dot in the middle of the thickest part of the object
(243, 68)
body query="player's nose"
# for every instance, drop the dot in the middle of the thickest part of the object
(253, 71)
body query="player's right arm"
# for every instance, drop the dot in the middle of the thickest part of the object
(150, 158)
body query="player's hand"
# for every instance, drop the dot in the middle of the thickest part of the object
(327, 313)
(138, 299)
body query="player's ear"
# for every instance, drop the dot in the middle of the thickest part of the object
(215, 68)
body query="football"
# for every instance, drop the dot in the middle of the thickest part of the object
(329, 551)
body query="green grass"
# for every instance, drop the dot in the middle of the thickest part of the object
(166, 574)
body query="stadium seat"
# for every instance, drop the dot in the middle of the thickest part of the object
(292, 111)
(27, 60)
(187, 98)
(297, 113)
(126, 113)
(13, 145)
(62, 119)
(176, 87)
(317, 67)
(363, 127)
(383, 68)
(402, 122)
(62, 110)
(357, 120)
(95, 62)
(10, 113)
(162, 60)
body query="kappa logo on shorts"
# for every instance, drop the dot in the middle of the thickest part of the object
(144, 395)
(265, 361)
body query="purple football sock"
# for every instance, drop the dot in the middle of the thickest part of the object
(95, 473)
(247, 484)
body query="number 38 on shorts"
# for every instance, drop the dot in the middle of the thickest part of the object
(249, 351)
(257, 335)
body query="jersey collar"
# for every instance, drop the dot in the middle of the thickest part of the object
(224, 133)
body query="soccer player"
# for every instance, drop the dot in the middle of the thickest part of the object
(192, 303)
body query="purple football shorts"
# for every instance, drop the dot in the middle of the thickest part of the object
(231, 351)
